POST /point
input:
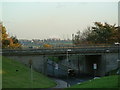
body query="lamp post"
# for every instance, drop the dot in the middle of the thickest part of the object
(118, 60)
(78, 66)
(68, 50)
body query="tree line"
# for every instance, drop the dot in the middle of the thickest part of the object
(6, 40)
(99, 34)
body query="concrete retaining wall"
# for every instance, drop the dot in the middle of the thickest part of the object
(38, 62)
(110, 60)
(107, 62)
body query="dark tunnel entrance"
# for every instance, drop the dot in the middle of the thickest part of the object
(93, 65)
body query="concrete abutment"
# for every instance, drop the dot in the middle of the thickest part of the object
(82, 64)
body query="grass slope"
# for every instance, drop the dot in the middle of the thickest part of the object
(21, 78)
(104, 82)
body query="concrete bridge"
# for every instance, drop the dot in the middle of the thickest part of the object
(81, 59)
(56, 51)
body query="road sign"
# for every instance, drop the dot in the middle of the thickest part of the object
(56, 66)
(94, 66)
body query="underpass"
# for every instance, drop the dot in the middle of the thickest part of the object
(81, 59)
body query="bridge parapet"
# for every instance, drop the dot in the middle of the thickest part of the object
(54, 51)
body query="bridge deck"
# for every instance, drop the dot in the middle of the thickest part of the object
(57, 51)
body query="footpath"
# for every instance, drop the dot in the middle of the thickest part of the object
(60, 83)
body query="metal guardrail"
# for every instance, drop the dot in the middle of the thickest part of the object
(52, 51)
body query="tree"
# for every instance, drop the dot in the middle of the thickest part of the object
(15, 40)
(47, 46)
(8, 42)
(99, 34)
(103, 33)
(80, 37)
(3, 32)
(5, 43)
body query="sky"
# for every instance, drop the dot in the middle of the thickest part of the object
(42, 20)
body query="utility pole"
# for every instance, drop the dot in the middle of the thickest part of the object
(78, 65)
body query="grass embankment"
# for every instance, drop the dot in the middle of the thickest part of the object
(17, 75)
(103, 82)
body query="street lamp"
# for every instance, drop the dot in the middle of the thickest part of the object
(68, 50)
(118, 60)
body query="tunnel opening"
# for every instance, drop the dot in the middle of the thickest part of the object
(93, 65)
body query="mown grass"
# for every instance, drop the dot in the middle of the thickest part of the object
(103, 82)
(17, 75)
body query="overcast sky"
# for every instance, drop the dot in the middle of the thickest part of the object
(41, 20)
